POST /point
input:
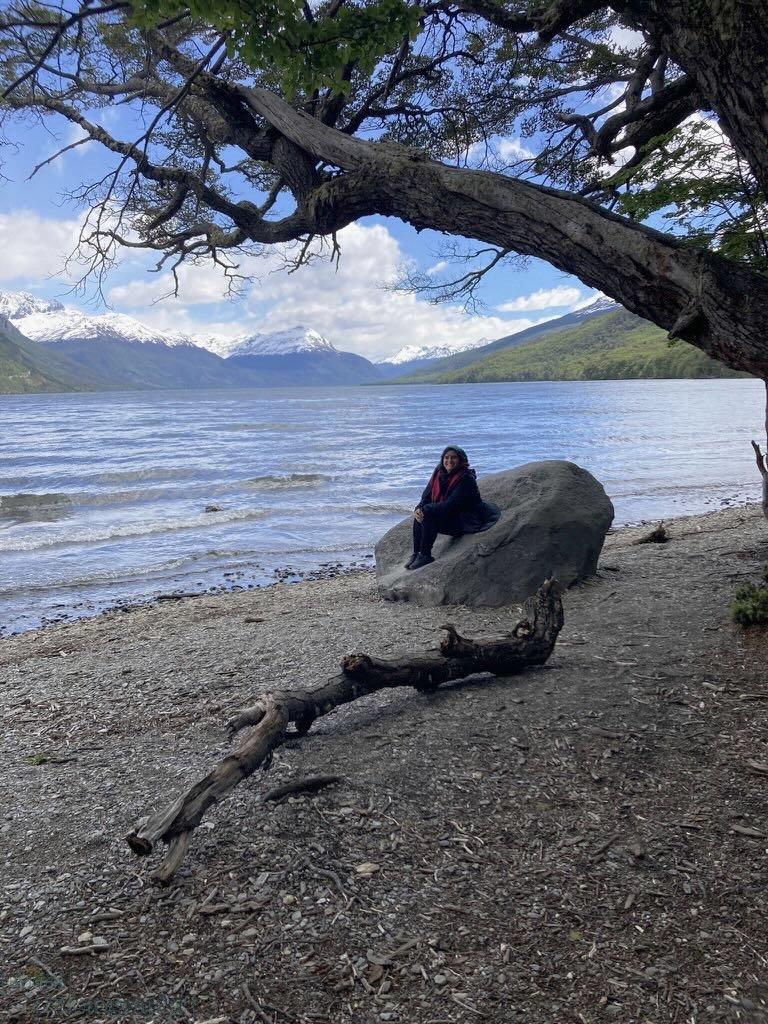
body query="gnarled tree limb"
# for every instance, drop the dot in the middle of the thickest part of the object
(529, 644)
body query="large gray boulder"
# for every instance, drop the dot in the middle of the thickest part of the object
(554, 518)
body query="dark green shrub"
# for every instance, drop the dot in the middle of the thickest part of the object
(750, 603)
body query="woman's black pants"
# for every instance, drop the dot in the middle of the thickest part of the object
(424, 534)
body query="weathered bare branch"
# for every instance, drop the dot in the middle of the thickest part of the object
(191, 206)
(463, 286)
(547, 19)
(60, 29)
(529, 644)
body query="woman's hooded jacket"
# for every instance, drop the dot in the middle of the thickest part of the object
(456, 496)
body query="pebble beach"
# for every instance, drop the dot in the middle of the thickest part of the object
(585, 841)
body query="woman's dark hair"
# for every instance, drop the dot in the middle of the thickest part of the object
(463, 457)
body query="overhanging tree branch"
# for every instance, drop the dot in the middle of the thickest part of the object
(296, 176)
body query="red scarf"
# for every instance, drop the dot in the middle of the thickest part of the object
(441, 484)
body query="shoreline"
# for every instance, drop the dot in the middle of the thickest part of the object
(290, 575)
(90, 609)
(588, 835)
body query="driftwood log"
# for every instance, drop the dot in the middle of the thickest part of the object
(529, 644)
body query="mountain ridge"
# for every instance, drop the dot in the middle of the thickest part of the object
(27, 368)
(48, 321)
(276, 343)
(615, 345)
(423, 374)
(71, 351)
(120, 352)
(422, 353)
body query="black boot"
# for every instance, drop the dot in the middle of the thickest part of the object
(420, 561)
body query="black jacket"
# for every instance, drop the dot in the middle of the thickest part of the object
(463, 506)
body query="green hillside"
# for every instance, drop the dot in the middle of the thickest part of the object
(425, 374)
(28, 368)
(19, 375)
(615, 346)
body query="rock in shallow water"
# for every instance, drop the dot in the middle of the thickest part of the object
(554, 518)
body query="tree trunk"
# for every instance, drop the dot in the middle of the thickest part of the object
(722, 47)
(762, 460)
(698, 296)
(529, 644)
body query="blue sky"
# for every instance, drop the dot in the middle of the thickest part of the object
(352, 306)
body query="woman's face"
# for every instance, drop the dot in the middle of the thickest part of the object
(450, 461)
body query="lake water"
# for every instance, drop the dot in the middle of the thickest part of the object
(115, 498)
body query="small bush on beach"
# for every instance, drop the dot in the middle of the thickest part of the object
(750, 603)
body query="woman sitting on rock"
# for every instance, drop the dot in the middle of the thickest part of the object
(451, 504)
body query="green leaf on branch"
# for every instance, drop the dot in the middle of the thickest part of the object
(308, 49)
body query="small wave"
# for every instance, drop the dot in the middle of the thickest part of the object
(654, 491)
(137, 497)
(383, 510)
(121, 574)
(146, 473)
(316, 550)
(99, 536)
(281, 427)
(30, 508)
(49, 507)
(290, 480)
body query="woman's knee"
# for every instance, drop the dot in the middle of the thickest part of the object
(442, 524)
(437, 520)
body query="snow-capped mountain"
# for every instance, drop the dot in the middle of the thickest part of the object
(51, 322)
(422, 352)
(111, 349)
(297, 355)
(117, 351)
(277, 343)
(601, 305)
(15, 305)
(420, 367)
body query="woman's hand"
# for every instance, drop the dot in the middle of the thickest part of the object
(418, 515)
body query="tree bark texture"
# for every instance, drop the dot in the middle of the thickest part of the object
(529, 644)
(722, 47)
(336, 178)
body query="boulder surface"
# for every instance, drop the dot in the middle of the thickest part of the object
(554, 518)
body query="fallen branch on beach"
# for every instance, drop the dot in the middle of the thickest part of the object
(529, 644)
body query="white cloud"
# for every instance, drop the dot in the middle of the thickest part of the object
(711, 150)
(706, 152)
(625, 38)
(438, 268)
(511, 150)
(611, 93)
(349, 305)
(38, 246)
(79, 142)
(544, 298)
(498, 151)
(198, 286)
